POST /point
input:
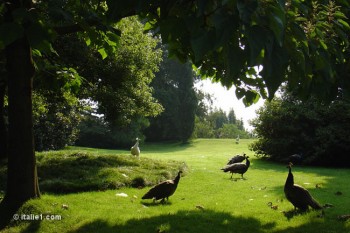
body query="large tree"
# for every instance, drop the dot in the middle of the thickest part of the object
(295, 41)
(173, 87)
(118, 85)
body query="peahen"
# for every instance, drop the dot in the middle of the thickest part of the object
(297, 195)
(135, 150)
(239, 168)
(163, 190)
(237, 159)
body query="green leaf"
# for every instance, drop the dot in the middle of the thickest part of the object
(251, 97)
(202, 44)
(36, 53)
(240, 92)
(235, 58)
(275, 66)
(148, 26)
(70, 78)
(257, 38)
(40, 37)
(321, 61)
(103, 53)
(113, 39)
(277, 22)
(340, 15)
(172, 29)
(9, 32)
(324, 46)
(246, 9)
(87, 41)
(344, 23)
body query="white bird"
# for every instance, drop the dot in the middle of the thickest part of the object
(135, 150)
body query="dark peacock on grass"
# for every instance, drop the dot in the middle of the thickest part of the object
(297, 195)
(163, 190)
(239, 168)
(237, 159)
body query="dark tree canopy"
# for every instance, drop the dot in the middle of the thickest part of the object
(173, 87)
(301, 42)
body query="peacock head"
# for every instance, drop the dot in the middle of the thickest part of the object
(290, 164)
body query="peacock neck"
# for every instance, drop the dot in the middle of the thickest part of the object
(247, 162)
(177, 178)
(290, 178)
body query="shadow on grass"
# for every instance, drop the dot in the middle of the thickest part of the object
(34, 226)
(206, 221)
(9, 215)
(156, 203)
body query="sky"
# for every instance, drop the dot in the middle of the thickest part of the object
(226, 100)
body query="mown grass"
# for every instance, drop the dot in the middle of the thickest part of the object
(71, 171)
(206, 199)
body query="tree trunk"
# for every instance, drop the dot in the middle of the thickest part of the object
(22, 177)
(22, 180)
(3, 127)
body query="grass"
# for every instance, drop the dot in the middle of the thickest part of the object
(76, 171)
(206, 199)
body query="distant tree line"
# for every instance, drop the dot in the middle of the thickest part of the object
(215, 123)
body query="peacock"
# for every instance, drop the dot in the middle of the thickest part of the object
(239, 168)
(135, 150)
(297, 195)
(163, 190)
(237, 159)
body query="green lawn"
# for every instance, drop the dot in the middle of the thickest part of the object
(206, 199)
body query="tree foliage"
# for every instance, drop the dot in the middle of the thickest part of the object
(55, 120)
(297, 41)
(95, 132)
(118, 84)
(301, 42)
(318, 131)
(173, 87)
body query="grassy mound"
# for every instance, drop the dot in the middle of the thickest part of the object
(71, 171)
